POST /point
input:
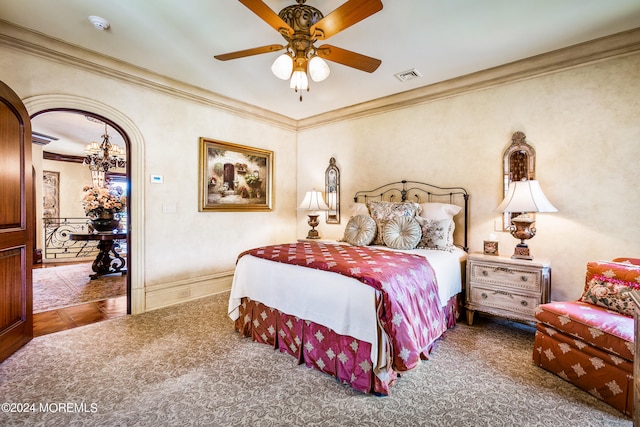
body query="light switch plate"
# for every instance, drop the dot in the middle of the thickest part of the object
(169, 208)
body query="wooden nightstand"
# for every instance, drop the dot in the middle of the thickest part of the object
(506, 287)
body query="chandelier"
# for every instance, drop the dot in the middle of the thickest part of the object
(103, 156)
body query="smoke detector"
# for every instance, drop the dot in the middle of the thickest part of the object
(100, 23)
(408, 75)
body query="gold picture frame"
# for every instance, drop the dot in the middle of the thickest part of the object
(234, 177)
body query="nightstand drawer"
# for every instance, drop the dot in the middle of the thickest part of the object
(510, 276)
(503, 300)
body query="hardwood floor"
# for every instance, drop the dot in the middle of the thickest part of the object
(61, 319)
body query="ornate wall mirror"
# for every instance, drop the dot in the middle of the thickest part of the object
(332, 192)
(519, 163)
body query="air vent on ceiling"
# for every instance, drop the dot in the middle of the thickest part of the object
(408, 75)
(41, 138)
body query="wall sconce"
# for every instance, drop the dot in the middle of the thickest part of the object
(314, 203)
(524, 197)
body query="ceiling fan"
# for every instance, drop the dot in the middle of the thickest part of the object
(301, 26)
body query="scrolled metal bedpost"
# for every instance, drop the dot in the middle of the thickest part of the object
(466, 221)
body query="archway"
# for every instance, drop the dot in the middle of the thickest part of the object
(42, 103)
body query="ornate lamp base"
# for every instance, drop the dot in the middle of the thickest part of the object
(522, 228)
(521, 251)
(313, 222)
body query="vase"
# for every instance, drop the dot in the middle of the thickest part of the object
(105, 223)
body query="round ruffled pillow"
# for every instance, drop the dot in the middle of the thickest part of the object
(360, 230)
(402, 233)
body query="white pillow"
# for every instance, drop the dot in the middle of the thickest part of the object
(439, 210)
(402, 233)
(360, 230)
(358, 209)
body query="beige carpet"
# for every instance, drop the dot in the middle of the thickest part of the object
(185, 365)
(62, 286)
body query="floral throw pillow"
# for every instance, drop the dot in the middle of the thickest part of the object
(612, 294)
(436, 234)
(382, 212)
(612, 270)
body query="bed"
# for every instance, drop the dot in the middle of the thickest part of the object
(365, 309)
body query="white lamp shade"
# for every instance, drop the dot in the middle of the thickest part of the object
(318, 69)
(282, 66)
(299, 80)
(313, 201)
(525, 196)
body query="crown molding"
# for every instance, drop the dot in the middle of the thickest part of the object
(43, 46)
(605, 48)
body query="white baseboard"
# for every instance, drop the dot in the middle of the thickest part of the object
(166, 294)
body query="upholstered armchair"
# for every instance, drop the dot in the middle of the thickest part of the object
(590, 342)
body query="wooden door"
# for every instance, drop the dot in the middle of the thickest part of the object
(16, 224)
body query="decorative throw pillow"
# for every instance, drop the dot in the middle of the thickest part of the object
(439, 210)
(612, 294)
(401, 233)
(436, 234)
(382, 212)
(360, 230)
(613, 270)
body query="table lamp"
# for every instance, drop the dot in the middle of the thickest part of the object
(314, 203)
(524, 197)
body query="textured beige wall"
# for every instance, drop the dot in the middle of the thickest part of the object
(583, 123)
(188, 244)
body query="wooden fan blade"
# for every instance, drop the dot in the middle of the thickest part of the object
(351, 12)
(348, 58)
(249, 52)
(267, 15)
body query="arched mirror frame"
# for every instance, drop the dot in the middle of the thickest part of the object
(332, 192)
(519, 162)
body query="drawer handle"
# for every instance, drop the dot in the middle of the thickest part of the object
(485, 273)
(524, 303)
(524, 278)
(485, 296)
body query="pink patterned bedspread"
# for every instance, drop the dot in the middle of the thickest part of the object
(409, 310)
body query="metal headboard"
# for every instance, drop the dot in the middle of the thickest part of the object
(420, 192)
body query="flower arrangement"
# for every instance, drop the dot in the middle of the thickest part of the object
(252, 180)
(100, 200)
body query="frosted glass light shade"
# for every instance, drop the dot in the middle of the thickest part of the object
(299, 80)
(525, 196)
(318, 69)
(282, 66)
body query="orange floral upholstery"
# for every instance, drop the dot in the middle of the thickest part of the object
(588, 345)
(592, 324)
(626, 272)
(634, 261)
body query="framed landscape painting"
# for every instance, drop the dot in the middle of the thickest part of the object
(234, 177)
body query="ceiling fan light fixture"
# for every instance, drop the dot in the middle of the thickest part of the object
(282, 66)
(299, 80)
(318, 69)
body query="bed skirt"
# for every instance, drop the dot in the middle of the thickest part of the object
(313, 344)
